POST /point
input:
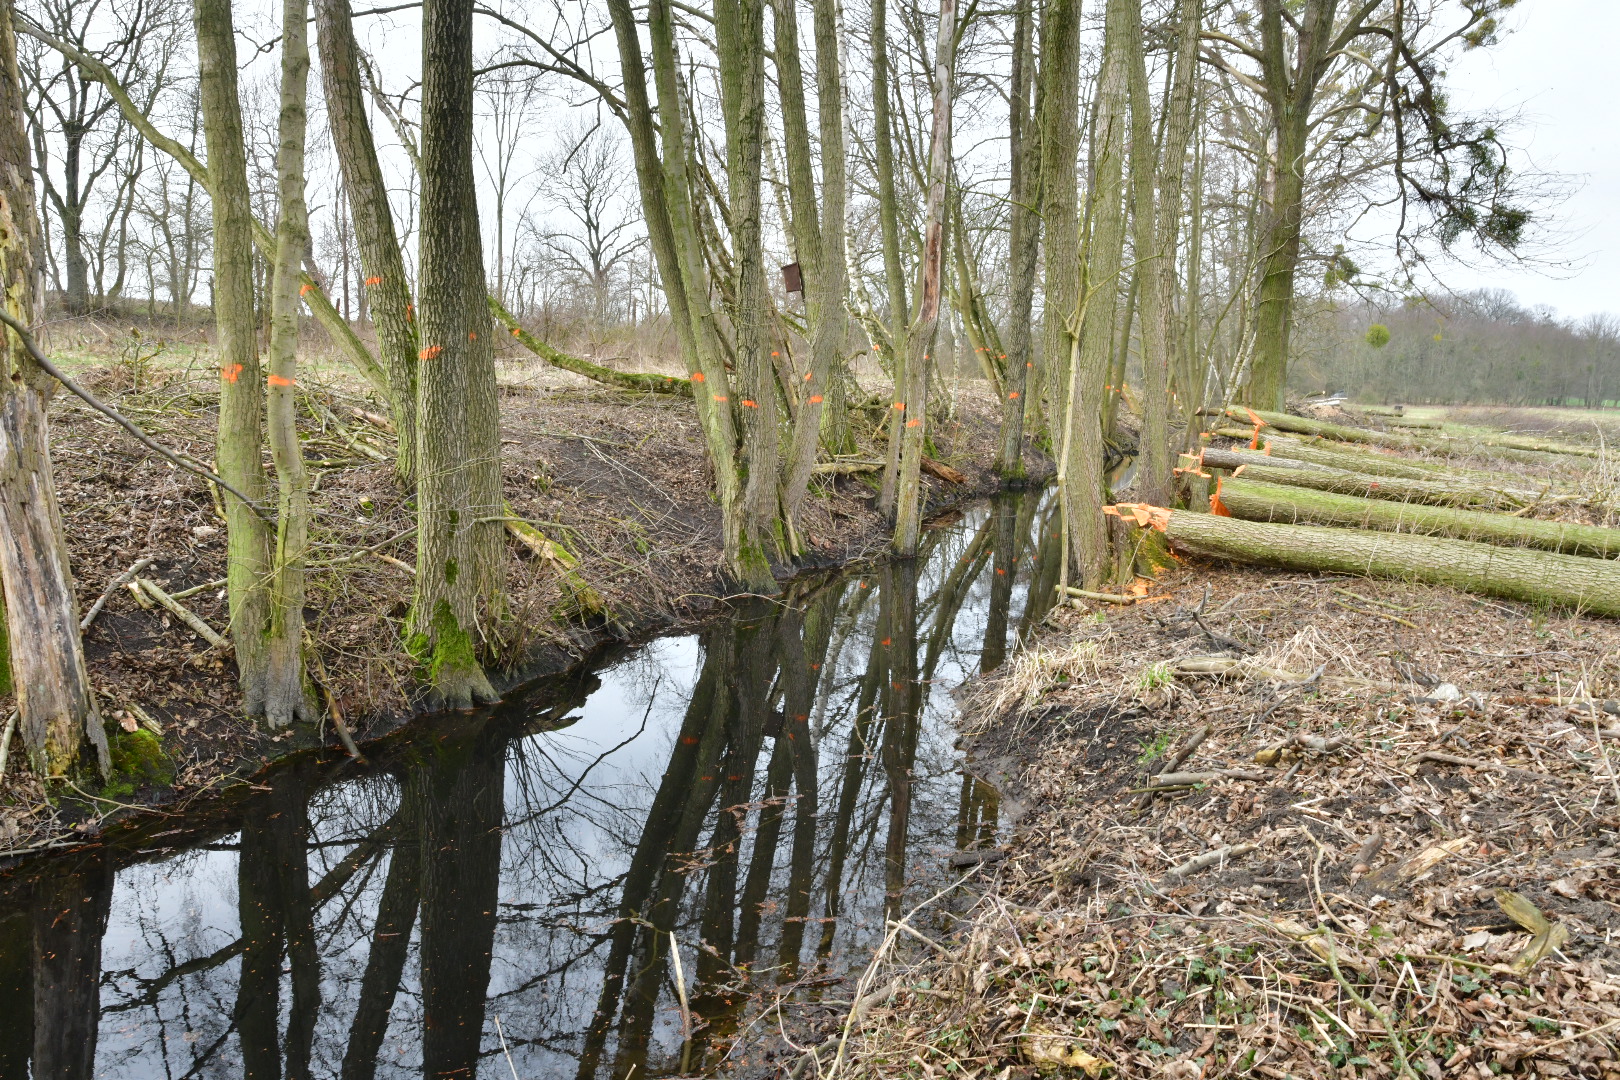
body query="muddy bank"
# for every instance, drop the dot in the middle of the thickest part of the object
(618, 479)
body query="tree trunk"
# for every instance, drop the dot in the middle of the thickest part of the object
(1023, 243)
(388, 293)
(1535, 577)
(288, 694)
(458, 477)
(894, 275)
(1082, 491)
(1279, 254)
(1157, 226)
(1256, 500)
(666, 195)
(44, 653)
(740, 52)
(240, 440)
(911, 411)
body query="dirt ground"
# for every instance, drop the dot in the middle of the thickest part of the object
(1390, 848)
(620, 480)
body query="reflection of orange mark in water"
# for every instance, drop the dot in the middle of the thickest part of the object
(430, 352)
(278, 380)
(229, 374)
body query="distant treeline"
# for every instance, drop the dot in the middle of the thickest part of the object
(1476, 348)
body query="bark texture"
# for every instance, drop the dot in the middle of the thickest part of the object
(458, 478)
(46, 658)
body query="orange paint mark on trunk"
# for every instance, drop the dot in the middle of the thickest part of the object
(430, 352)
(278, 380)
(230, 374)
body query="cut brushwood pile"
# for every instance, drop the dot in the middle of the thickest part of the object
(1338, 848)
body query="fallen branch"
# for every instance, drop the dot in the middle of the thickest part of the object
(942, 471)
(622, 380)
(117, 583)
(1208, 859)
(183, 613)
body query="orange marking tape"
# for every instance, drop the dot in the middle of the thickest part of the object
(430, 352)
(815, 399)
(277, 380)
(229, 374)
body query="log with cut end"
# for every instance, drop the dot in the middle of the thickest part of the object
(1590, 585)
(1356, 459)
(1255, 500)
(1464, 493)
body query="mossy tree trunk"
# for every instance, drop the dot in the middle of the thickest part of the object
(388, 291)
(240, 440)
(40, 649)
(459, 546)
(288, 694)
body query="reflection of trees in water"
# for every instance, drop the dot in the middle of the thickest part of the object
(522, 869)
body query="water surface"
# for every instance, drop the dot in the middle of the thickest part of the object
(725, 814)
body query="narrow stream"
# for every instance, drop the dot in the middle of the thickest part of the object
(512, 882)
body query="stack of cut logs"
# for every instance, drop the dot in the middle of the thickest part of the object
(1328, 497)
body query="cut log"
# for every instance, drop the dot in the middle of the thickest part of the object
(1511, 447)
(1255, 500)
(1467, 493)
(623, 380)
(1319, 451)
(1537, 577)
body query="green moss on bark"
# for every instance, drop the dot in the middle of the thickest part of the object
(138, 761)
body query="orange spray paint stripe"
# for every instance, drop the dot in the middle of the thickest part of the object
(277, 380)
(430, 352)
(229, 374)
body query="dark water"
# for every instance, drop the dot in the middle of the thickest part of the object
(756, 796)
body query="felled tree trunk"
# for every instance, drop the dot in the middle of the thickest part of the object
(1256, 500)
(1536, 577)
(1511, 447)
(1469, 494)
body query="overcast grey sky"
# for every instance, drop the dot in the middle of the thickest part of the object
(1558, 68)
